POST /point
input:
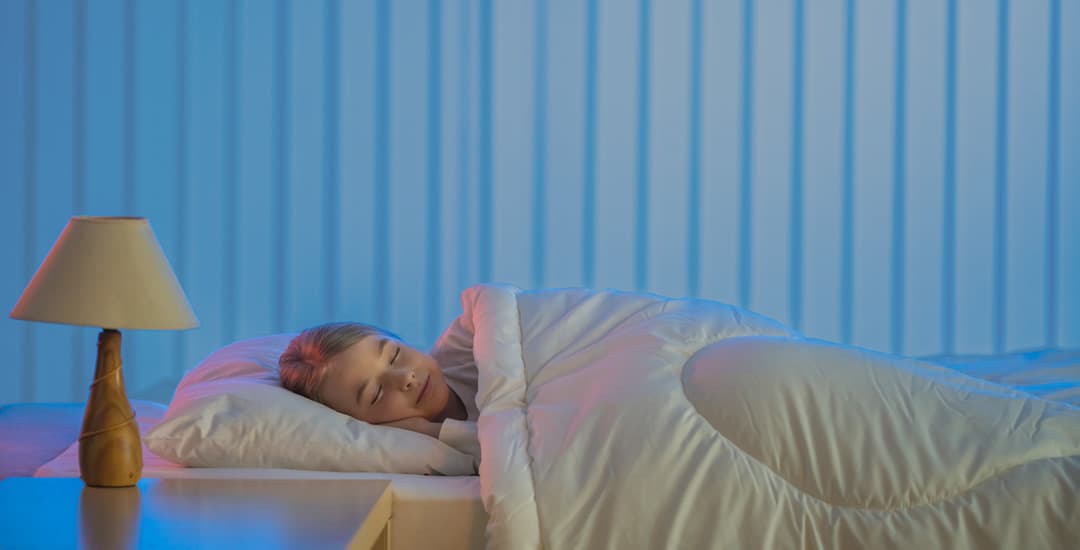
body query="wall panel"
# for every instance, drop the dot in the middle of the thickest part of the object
(1068, 148)
(457, 128)
(975, 133)
(512, 105)
(667, 145)
(51, 197)
(771, 156)
(1025, 272)
(616, 131)
(357, 206)
(923, 168)
(895, 175)
(104, 179)
(17, 94)
(103, 108)
(873, 170)
(407, 206)
(254, 134)
(202, 219)
(822, 173)
(154, 360)
(564, 166)
(307, 237)
(722, 53)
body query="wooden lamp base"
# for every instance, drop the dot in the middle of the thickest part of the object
(110, 453)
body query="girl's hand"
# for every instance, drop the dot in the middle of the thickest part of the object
(417, 424)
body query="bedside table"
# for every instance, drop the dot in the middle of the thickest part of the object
(196, 513)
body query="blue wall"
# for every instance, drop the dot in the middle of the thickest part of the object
(898, 175)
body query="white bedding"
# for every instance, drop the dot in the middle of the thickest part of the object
(617, 420)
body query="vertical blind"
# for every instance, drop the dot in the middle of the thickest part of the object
(899, 175)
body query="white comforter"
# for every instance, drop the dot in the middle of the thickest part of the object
(618, 420)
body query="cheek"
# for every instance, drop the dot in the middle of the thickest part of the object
(396, 407)
(441, 395)
(346, 408)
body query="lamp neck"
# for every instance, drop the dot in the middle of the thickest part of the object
(108, 359)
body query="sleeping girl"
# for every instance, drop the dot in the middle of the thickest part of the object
(588, 394)
(372, 375)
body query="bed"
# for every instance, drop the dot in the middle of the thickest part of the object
(551, 478)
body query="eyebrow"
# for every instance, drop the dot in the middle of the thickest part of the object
(360, 392)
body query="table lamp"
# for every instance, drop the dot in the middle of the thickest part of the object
(111, 273)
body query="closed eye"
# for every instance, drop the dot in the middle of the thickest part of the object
(379, 390)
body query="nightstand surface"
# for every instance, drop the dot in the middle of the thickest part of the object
(195, 513)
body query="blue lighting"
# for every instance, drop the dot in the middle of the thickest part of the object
(894, 175)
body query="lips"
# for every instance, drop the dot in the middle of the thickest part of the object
(423, 390)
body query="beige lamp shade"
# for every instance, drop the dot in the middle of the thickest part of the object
(110, 273)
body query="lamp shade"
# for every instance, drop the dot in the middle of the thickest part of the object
(110, 273)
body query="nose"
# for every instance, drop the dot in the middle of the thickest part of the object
(403, 378)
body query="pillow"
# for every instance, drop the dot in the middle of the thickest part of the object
(231, 411)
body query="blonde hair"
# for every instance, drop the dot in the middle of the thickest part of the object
(302, 366)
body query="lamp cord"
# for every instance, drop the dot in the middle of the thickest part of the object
(127, 421)
(116, 426)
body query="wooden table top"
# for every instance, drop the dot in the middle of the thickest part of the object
(202, 513)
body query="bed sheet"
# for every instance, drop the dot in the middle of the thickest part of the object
(32, 434)
(1052, 374)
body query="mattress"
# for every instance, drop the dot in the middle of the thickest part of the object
(1047, 373)
(32, 434)
(428, 511)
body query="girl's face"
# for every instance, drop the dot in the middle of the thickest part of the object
(381, 379)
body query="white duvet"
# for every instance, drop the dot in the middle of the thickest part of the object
(619, 420)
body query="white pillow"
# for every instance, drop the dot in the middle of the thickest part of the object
(231, 411)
